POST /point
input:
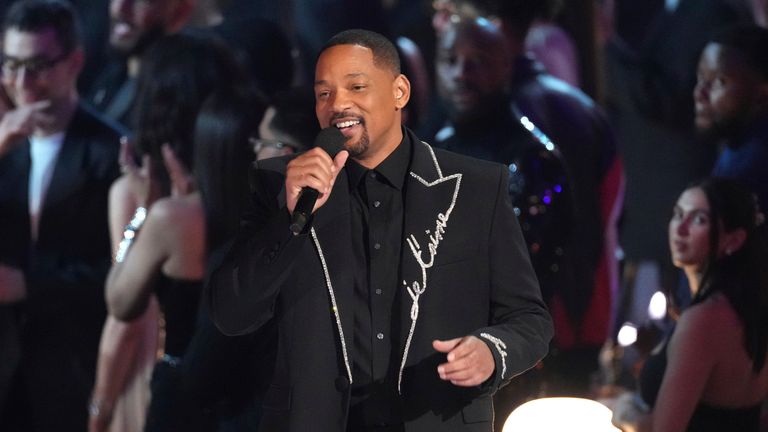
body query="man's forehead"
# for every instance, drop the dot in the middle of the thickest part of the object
(346, 51)
(30, 43)
(351, 61)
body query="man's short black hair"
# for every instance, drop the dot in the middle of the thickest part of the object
(751, 44)
(384, 51)
(519, 14)
(34, 16)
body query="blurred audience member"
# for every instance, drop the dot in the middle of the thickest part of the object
(731, 102)
(534, 30)
(584, 280)
(289, 124)
(473, 76)
(649, 81)
(710, 374)
(413, 66)
(262, 46)
(57, 160)
(134, 26)
(203, 378)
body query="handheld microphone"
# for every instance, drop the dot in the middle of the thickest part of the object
(332, 141)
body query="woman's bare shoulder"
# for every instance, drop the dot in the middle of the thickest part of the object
(714, 316)
(177, 211)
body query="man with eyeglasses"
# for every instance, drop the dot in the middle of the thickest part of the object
(57, 161)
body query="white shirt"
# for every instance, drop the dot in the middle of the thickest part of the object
(43, 151)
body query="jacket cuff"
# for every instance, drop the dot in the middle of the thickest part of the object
(499, 351)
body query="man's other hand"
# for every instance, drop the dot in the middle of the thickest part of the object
(470, 361)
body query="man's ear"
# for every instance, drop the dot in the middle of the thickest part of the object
(402, 90)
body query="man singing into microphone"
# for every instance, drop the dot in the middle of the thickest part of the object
(408, 299)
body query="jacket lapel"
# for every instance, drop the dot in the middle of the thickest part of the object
(431, 196)
(332, 240)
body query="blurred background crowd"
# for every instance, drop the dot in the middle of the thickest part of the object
(604, 111)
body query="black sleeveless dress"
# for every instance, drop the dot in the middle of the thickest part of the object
(171, 408)
(706, 418)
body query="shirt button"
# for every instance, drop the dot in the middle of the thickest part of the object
(376, 204)
(380, 336)
(378, 291)
(377, 246)
(373, 175)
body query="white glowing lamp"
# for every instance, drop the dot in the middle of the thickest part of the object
(627, 335)
(657, 307)
(560, 414)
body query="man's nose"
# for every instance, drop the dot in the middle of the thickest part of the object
(701, 91)
(340, 101)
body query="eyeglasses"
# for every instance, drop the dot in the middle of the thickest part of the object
(260, 144)
(35, 66)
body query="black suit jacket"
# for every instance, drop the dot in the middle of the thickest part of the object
(464, 270)
(59, 323)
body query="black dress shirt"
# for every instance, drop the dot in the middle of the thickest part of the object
(377, 213)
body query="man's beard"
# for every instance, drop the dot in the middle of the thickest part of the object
(722, 130)
(361, 146)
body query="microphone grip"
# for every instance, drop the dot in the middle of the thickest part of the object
(303, 210)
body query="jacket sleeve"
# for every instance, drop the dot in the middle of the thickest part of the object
(520, 326)
(247, 272)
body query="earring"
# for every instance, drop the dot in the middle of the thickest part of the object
(728, 252)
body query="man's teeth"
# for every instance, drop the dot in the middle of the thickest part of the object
(346, 124)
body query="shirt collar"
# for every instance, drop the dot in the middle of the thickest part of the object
(394, 168)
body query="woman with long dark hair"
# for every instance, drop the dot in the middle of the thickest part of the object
(165, 246)
(711, 374)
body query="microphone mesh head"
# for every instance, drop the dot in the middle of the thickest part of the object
(331, 140)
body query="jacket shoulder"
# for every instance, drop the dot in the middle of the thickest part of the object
(451, 162)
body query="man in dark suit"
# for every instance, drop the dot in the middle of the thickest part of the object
(410, 299)
(57, 161)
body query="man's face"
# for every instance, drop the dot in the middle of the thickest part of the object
(361, 99)
(36, 68)
(136, 23)
(726, 93)
(473, 68)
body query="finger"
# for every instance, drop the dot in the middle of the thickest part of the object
(339, 161)
(181, 181)
(145, 170)
(304, 170)
(453, 369)
(174, 166)
(318, 159)
(126, 160)
(315, 154)
(464, 348)
(468, 382)
(445, 346)
(309, 178)
(39, 105)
